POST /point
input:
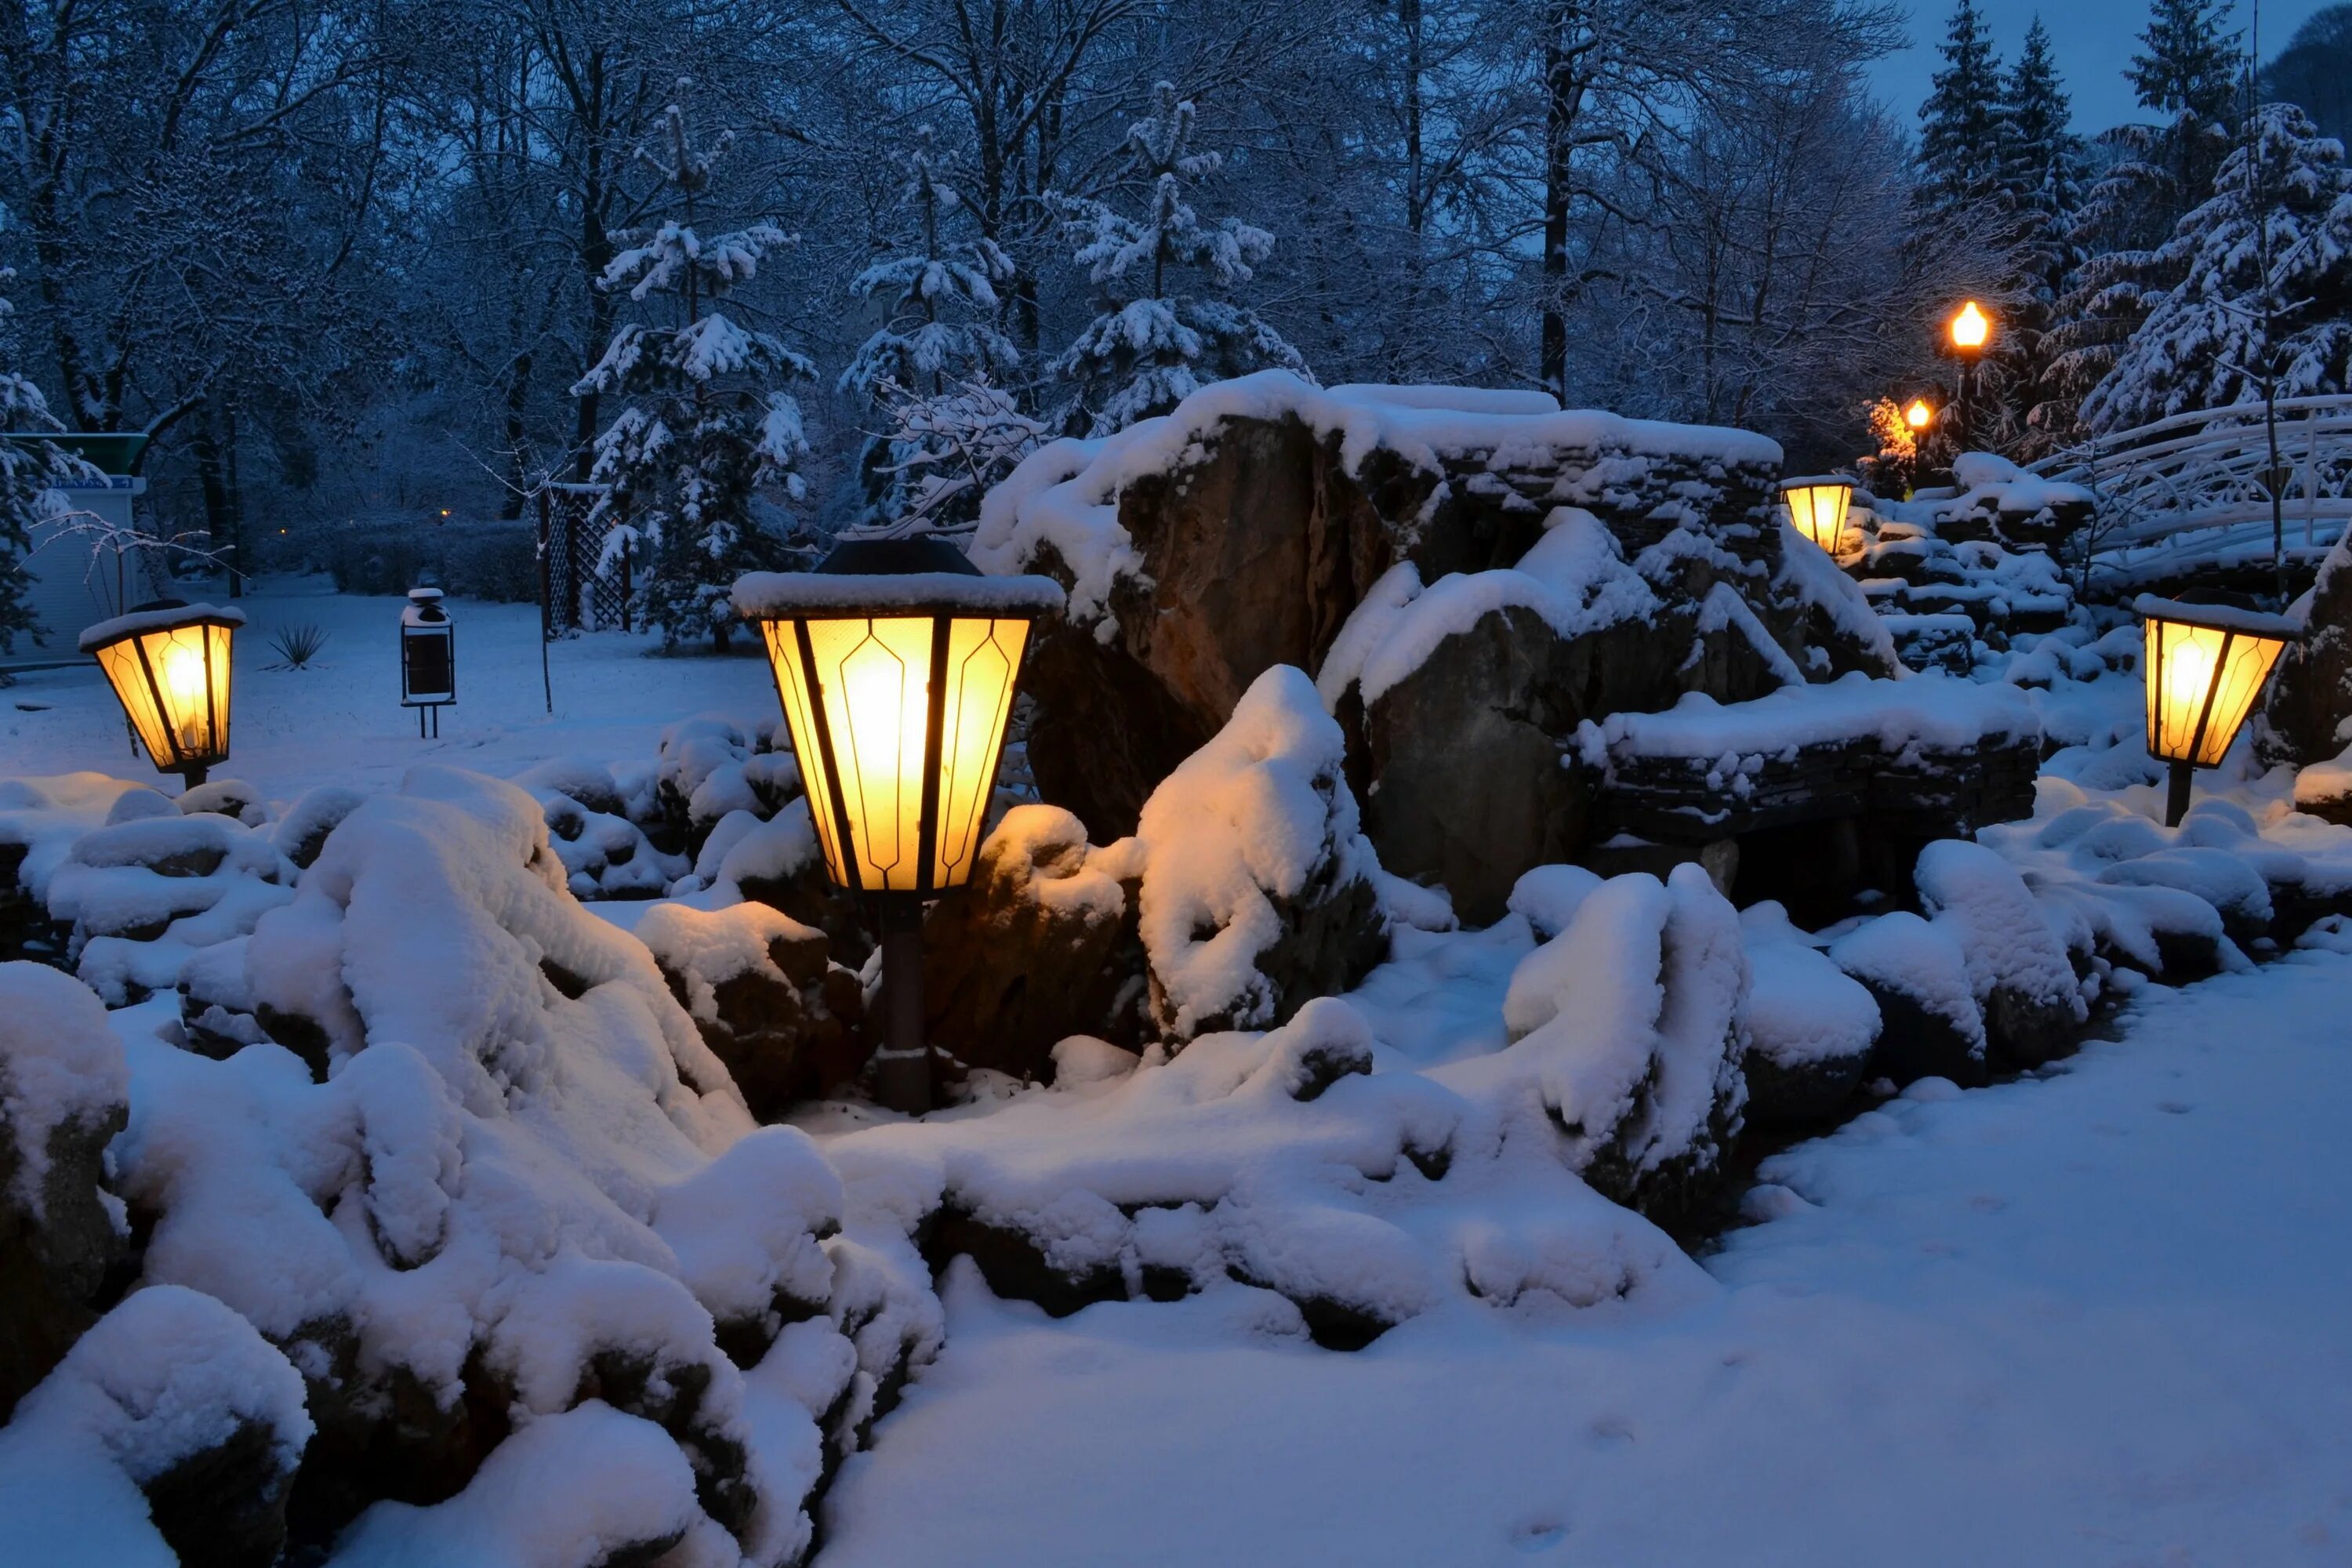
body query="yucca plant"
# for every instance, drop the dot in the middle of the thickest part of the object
(297, 645)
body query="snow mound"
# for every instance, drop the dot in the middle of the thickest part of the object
(1255, 868)
(1631, 1020)
(60, 1066)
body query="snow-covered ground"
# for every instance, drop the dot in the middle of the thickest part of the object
(2096, 1316)
(340, 721)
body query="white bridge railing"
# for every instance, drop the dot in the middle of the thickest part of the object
(2191, 488)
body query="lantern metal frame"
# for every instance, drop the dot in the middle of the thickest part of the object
(424, 619)
(890, 581)
(2238, 628)
(137, 627)
(1808, 523)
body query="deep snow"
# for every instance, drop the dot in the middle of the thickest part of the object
(2096, 1316)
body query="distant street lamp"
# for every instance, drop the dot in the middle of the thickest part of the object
(1970, 330)
(168, 661)
(2205, 665)
(1818, 505)
(428, 657)
(1920, 415)
(896, 662)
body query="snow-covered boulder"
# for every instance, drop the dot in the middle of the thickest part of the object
(2306, 712)
(2025, 987)
(1811, 1027)
(171, 1401)
(64, 1093)
(770, 1003)
(1917, 974)
(1631, 1020)
(1041, 945)
(1259, 888)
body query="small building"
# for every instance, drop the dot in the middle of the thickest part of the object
(78, 577)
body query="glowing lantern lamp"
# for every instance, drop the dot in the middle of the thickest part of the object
(1918, 416)
(168, 662)
(428, 657)
(2205, 665)
(1817, 507)
(1970, 329)
(896, 661)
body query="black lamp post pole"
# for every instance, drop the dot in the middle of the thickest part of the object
(2176, 798)
(902, 1066)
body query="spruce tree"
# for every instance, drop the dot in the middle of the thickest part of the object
(2042, 182)
(704, 431)
(926, 373)
(1152, 345)
(1962, 134)
(2265, 296)
(2153, 175)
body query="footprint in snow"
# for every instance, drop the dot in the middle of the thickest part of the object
(1539, 1535)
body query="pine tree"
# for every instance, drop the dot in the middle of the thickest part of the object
(703, 431)
(1962, 133)
(2041, 181)
(2153, 175)
(1151, 346)
(927, 372)
(2264, 298)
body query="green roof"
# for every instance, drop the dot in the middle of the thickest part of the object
(110, 451)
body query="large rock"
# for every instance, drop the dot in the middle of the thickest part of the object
(64, 1093)
(1632, 1020)
(1041, 945)
(770, 1003)
(1258, 889)
(2306, 715)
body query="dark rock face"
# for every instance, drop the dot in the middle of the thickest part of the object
(2310, 695)
(1475, 781)
(767, 999)
(224, 1507)
(1037, 947)
(1793, 1096)
(58, 1244)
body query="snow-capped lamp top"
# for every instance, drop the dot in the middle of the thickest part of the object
(2219, 618)
(155, 615)
(877, 577)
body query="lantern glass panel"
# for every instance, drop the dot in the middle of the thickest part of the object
(983, 659)
(173, 685)
(2202, 683)
(1819, 510)
(800, 716)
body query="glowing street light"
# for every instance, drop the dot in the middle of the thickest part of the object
(896, 661)
(1920, 415)
(1818, 505)
(168, 662)
(1971, 328)
(2205, 665)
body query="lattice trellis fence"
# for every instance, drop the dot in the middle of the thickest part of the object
(586, 590)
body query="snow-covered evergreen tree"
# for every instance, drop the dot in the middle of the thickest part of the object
(928, 372)
(2152, 176)
(1153, 344)
(2041, 179)
(1963, 134)
(704, 427)
(2266, 289)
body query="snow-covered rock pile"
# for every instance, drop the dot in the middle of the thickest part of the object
(635, 831)
(499, 1191)
(1952, 606)
(767, 997)
(2306, 714)
(1994, 500)
(1243, 531)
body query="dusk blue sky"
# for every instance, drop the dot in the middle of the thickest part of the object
(2094, 39)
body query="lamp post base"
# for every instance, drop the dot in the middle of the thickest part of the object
(902, 1066)
(2176, 798)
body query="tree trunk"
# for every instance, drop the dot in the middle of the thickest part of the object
(1563, 97)
(205, 442)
